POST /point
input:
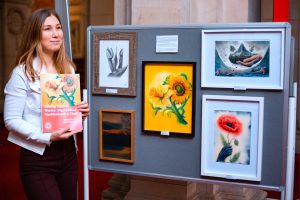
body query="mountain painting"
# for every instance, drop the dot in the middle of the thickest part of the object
(116, 136)
(242, 58)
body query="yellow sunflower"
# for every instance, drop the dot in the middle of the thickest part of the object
(159, 96)
(181, 89)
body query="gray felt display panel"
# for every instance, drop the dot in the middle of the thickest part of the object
(179, 157)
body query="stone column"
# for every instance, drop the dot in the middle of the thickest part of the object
(118, 187)
(122, 12)
(221, 192)
(162, 189)
(14, 14)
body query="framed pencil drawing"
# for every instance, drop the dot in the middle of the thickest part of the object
(232, 134)
(168, 95)
(243, 58)
(116, 135)
(114, 63)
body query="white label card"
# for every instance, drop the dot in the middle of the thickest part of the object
(111, 91)
(165, 133)
(167, 44)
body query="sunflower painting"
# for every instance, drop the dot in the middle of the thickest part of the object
(60, 89)
(168, 92)
(59, 95)
(232, 136)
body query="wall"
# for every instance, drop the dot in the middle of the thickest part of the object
(295, 22)
(101, 12)
(14, 14)
(267, 16)
(186, 11)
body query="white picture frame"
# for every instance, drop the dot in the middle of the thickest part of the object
(226, 58)
(235, 121)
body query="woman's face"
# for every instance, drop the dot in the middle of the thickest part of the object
(52, 35)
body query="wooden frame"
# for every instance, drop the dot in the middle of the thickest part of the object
(232, 134)
(242, 58)
(116, 129)
(114, 63)
(168, 97)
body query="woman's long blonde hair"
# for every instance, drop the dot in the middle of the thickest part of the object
(30, 45)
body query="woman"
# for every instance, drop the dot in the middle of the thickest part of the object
(48, 161)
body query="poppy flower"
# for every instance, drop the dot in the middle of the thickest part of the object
(230, 124)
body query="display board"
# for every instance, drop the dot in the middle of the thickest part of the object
(200, 103)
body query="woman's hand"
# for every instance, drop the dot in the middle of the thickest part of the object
(62, 134)
(250, 61)
(84, 108)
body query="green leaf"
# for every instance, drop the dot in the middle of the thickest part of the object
(184, 102)
(236, 142)
(73, 92)
(166, 81)
(184, 76)
(235, 157)
(223, 140)
(152, 105)
(169, 114)
(51, 99)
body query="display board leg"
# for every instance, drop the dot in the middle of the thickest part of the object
(291, 149)
(282, 195)
(85, 154)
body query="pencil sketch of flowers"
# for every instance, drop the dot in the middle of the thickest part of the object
(170, 96)
(115, 62)
(61, 88)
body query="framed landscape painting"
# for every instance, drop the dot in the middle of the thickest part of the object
(243, 58)
(168, 95)
(232, 134)
(114, 63)
(116, 135)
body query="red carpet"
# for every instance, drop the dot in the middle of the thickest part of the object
(10, 183)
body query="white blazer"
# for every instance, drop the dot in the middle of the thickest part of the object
(22, 110)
